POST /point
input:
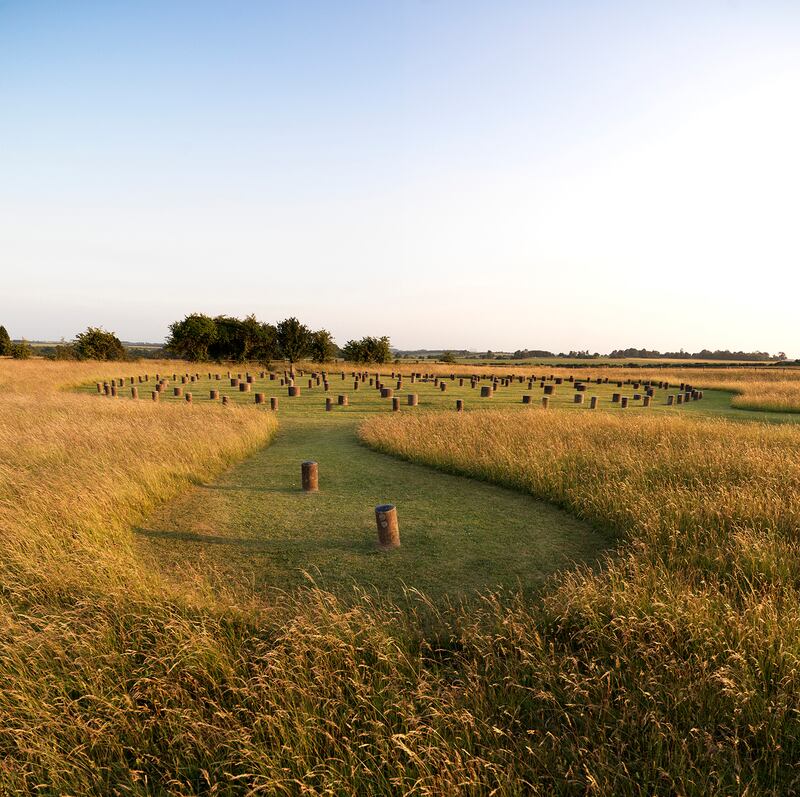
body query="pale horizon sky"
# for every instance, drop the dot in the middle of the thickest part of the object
(495, 175)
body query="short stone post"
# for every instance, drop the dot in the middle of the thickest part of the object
(388, 528)
(310, 476)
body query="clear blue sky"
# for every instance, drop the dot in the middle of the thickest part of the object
(488, 175)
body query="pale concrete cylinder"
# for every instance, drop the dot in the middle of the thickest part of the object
(309, 476)
(388, 527)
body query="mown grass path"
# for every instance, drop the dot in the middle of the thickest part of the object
(254, 527)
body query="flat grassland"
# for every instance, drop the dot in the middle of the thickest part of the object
(157, 646)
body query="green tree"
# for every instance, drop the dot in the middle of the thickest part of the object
(294, 340)
(368, 350)
(191, 338)
(322, 348)
(5, 343)
(448, 357)
(22, 350)
(97, 344)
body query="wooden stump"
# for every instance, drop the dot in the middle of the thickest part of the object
(412, 399)
(188, 398)
(526, 399)
(549, 390)
(213, 395)
(459, 405)
(593, 403)
(234, 382)
(579, 398)
(328, 404)
(309, 474)
(395, 404)
(342, 400)
(294, 391)
(646, 401)
(135, 392)
(670, 400)
(486, 391)
(545, 402)
(260, 397)
(623, 403)
(442, 386)
(615, 397)
(154, 395)
(273, 403)
(386, 392)
(225, 400)
(177, 391)
(388, 528)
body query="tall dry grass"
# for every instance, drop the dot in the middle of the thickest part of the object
(77, 471)
(675, 670)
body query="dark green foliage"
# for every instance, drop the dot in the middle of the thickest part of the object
(322, 348)
(368, 350)
(22, 350)
(64, 351)
(448, 357)
(5, 342)
(294, 340)
(242, 340)
(190, 339)
(97, 344)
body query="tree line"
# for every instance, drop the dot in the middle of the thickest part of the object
(199, 337)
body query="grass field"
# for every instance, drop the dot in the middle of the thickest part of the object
(160, 636)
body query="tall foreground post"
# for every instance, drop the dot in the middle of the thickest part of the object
(388, 528)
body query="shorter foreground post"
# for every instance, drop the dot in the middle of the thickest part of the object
(388, 528)
(310, 475)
